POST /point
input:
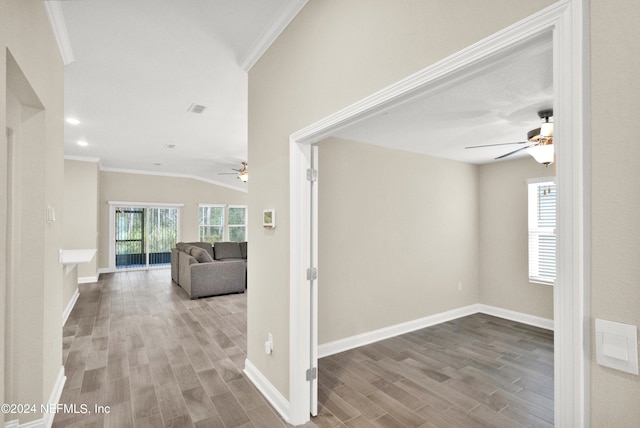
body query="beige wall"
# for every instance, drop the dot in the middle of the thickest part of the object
(333, 54)
(31, 104)
(615, 197)
(126, 187)
(397, 237)
(503, 238)
(397, 233)
(81, 214)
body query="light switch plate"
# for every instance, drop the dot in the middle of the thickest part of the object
(617, 345)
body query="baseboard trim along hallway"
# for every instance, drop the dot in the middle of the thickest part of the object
(47, 420)
(266, 388)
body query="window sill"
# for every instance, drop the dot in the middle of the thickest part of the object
(533, 281)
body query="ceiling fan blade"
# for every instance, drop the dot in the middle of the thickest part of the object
(498, 144)
(227, 173)
(515, 151)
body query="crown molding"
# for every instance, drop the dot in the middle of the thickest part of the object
(142, 172)
(59, 27)
(285, 15)
(173, 175)
(82, 158)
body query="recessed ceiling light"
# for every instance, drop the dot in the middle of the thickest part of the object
(83, 143)
(72, 121)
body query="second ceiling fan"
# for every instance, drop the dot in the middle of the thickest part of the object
(539, 142)
(243, 173)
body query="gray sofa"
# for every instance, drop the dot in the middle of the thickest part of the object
(205, 270)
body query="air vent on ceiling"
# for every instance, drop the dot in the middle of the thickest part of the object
(196, 108)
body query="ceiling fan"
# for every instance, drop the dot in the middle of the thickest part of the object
(243, 173)
(539, 143)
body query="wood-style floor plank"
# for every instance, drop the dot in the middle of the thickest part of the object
(137, 343)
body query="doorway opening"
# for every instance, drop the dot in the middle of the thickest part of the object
(570, 311)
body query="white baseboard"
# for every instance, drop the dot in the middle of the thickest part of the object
(356, 341)
(70, 305)
(38, 423)
(47, 420)
(56, 393)
(507, 314)
(277, 400)
(12, 424)
(87, 279)
(105, 270)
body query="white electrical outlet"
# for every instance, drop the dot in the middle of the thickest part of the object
(268, 345)
(51, 214)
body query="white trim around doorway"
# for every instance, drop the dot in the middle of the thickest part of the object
(567, 20)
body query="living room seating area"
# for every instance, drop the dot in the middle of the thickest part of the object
(202, 269)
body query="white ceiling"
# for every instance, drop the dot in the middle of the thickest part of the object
(139, 65)
(495, 103)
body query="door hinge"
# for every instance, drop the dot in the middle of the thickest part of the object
(312, 174)
(312, 374)
(312, 274)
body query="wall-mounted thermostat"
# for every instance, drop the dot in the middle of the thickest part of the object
(269, 219)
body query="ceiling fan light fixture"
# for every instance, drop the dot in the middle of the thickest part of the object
(542, 153)
(243, 173)
(546, 129)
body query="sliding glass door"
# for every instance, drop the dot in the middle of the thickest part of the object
(143, 235)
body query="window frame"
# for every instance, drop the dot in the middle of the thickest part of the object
(129, 204)
(534, 230)
(222, 225)
(245, 225)
(225, 220)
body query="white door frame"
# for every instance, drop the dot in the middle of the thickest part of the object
(566, 20)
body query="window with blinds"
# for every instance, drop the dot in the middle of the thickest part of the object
(542, 231)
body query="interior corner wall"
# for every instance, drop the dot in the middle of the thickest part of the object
(31, 73)
(128, 187)
(615, 198)
(333, 54)
(398, 234)
(80, 219)
(504, 247)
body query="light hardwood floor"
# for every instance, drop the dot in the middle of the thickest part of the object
(136, 343)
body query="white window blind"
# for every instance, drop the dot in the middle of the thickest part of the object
(542, 231)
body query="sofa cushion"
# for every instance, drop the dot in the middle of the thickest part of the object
(201, 255)
(207, 246)
(187, 246)
(243, 249)
(227, 250)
